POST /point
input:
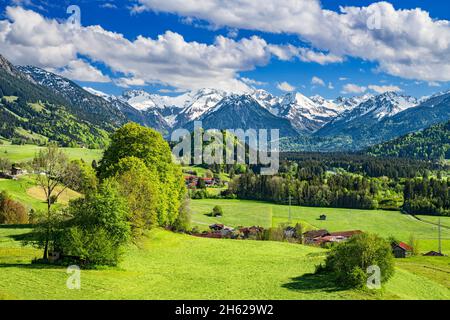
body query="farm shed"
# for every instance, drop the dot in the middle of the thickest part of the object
(401, 249)
(309, 236)
(433, 254)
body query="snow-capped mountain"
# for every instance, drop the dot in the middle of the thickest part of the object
(177, 110)
(267, 100)
(307, 115)
(243, 112)
(198, 103)
(86, 105)
(370, 121)
(359, 121)
(142, 100)
(347, 104)
(367, 113)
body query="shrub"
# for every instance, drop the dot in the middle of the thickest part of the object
(92, 246)
(99, 227)
(12, 212)
(217, 211)
(349, 260)
(183, 221)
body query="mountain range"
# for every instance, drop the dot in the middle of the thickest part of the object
(33, 98)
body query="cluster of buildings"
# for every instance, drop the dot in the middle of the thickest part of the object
(13, 173)
(321, 237)
(312, 237)
(221, 231)
(192, 181)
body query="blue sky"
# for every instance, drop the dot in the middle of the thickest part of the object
(355, 71)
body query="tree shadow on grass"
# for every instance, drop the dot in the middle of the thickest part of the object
(16, 226)
(30, 266)
(314, 282)
(27, 237)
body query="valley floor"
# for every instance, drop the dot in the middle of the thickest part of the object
(384, 223)
(174, 266)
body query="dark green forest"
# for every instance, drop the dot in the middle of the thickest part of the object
(430, 144)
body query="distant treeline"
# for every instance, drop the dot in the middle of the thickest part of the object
(348, 181)
(363, 164)
(320, 190)
(427, 196)
(430, 144)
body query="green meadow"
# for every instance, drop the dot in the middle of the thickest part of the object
(23, 153)
(174, 266)
(384, 223)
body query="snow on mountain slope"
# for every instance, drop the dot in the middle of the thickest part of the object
(307, 115)
(198, 103)
(368, 113)
(267, 100)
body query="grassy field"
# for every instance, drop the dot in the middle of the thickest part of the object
(384, 223)
(25, 191)
(25, 153)
(174, 266)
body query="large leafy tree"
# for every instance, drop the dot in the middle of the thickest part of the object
(139, 185)
(54, 173)
(133, 140)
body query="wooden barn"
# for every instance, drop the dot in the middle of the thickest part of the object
(401, 250)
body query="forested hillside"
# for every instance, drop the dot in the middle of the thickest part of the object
(430, 144)
(31, 113)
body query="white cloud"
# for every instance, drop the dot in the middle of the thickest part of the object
(82, 71)
(29, 38)
(108, 5)
(129, 82)
(377, 33)
(330, 86)
(286, 87)
(253, 82)
(383, 89)
(316, 81)
(351, 88)
(343, 79)
(434, 84)
(288, 52)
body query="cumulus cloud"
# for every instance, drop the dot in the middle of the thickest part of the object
(82, 71)
(352, 88)
(377, 33)
(316, 81)
(285, 86)
(26, 37)
(383, 89)
(289, 52)
(108, 5)
(253, 82)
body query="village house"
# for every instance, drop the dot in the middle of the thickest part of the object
(13, 173)
(320, 237)
(401, 250)
(192, 181)
(16, 171)
(290, 232)
(309, 236)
